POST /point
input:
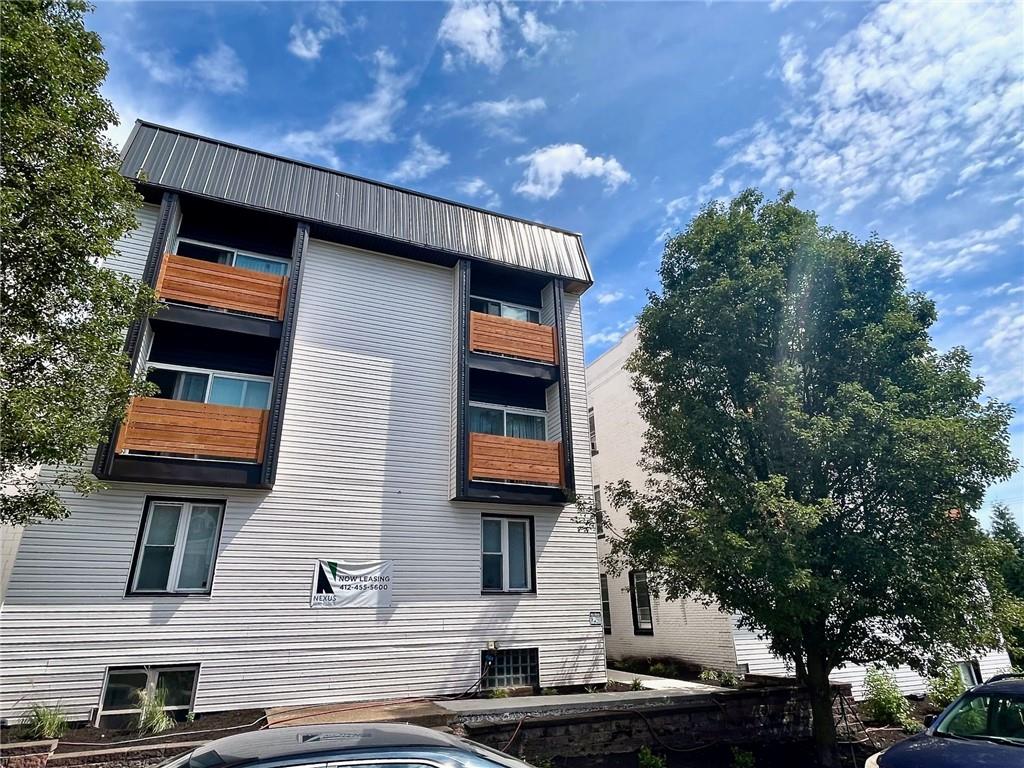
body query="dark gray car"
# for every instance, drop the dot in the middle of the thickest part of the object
(352, 745)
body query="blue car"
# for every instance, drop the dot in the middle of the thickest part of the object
(984, 728)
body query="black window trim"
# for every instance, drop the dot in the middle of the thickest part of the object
(533, 555)
(158, 667)
(129, 592)
(637, 629)
(606, 603)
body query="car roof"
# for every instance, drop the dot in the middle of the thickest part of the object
(1007, 685)
(311, 740)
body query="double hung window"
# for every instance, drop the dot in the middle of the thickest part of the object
(507, 421)
(506, 554)
(205, 386)
(177, 547)
(504, 309)
(598, 512)
(270, 265)
(640, 597)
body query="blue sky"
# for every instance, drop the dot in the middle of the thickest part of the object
(618, 120)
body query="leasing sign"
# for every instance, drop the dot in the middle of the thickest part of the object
(347, 584)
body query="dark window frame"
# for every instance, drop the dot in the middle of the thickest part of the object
(151, 670)
(129, 590)
(606, 604)
(637, 629)
(598, 512)
(592, 425)
(532, 538)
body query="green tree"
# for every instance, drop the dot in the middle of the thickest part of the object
(1006, 531)
(815, 465)
(64, 378)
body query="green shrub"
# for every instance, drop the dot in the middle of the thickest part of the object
(884, 702)
(497, 693)
(708, 676)
(153, 717)
(742, 758)
(636, 685)
(647, 759)
(728, 679)
(45, 722)
(945, 687)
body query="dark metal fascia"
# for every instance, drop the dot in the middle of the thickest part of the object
(462, 379)
(282, 369)
(169, 207)
(563, 386)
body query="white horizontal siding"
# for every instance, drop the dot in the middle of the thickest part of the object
(752, 650)
(363, 474)
(132, 250)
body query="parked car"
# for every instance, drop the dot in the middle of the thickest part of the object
(984, 728)
(354, 745)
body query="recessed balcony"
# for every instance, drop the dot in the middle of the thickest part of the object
(220, 286)
(156, 425)
(495, 458)
(505, 336)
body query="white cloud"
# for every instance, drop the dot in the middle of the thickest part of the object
(307, 40)
(368, 120)
(916, 96)
(547, 168)
(939, 259)
(219, 70)
(478, 189)
(776, 5)
(794, 60)
(500, 117)
(482, 32)
(1002, 355)
(423, 160)
(1003, 288)
(603, 337)
(609, 297)
(474, 31)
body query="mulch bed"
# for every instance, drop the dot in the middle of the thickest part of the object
(82, 737)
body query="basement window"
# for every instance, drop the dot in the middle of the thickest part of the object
(125, 686)
(510, 668)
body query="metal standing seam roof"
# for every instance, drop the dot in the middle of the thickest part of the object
(172, 159)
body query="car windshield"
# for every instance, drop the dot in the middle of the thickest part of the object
(992, 716)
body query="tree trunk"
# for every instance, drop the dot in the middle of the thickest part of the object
(823, 726)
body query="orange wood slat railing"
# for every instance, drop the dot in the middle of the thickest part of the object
(517, 338)
(492, 457)
(194, 429)
(218, 285)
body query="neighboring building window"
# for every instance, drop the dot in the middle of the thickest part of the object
(640, 597)
(200, 385)
(507, 421)
(506, 554)
(504, 309)
(970, 673)
(598, 512)
(124, 687)
(270, 265)
(509, 668)
(593, 432)
(177, 547)
(606, 605)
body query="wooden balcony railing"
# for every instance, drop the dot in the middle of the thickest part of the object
(515, 338)
(513, 459)
(193, 429)
(218, 285)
